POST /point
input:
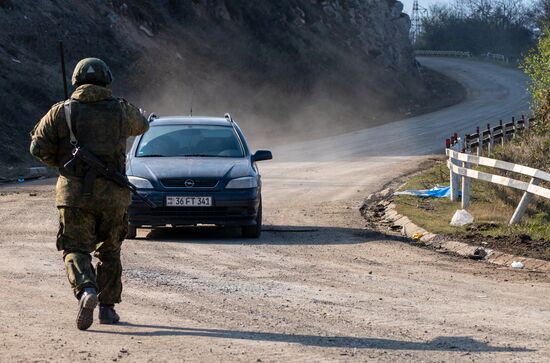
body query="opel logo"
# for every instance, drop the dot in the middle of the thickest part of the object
(189, 183)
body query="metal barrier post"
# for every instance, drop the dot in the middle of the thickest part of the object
(479, 142)
(522, 206)
(453, 178)
(502, 139)
(491, 141)
(466, 186)
(454, 184)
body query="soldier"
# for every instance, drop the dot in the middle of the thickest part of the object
(92, 209)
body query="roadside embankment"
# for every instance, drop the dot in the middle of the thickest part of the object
(426, 220)
(20, 174)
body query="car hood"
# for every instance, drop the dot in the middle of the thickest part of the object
(188, 167)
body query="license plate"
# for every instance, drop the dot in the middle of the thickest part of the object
(173, 201)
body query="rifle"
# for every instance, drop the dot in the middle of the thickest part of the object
(93, 162)
(99, 167)
(63, 69)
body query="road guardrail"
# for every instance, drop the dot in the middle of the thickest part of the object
(461, 159)
(491, 136)
(461, 164)
(462, 54)
(444, 53)
(496, 57)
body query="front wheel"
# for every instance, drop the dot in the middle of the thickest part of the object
(132, 232)
(256, 230)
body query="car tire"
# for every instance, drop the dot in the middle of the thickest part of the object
(132, 232)
(256, 230)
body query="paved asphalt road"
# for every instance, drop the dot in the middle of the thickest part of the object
(317, 286)
(494, 93)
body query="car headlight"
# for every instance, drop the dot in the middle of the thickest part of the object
(242, 183)
(140, 183)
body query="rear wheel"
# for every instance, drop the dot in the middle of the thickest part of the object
(256, 230)
(132, 232)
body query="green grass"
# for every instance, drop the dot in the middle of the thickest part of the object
(490, 212)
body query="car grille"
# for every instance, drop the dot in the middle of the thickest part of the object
(198, 183)
(197, 212)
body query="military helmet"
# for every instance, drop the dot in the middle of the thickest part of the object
(92, 71)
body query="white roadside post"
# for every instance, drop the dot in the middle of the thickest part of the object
(454, 178)
(466, 181)
(459, 146)
(454, 184)
(466, 186)
(522, 207)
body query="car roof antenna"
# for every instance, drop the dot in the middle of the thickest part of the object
(191, 103)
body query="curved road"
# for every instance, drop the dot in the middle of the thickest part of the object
(493, 93)
(316, 287)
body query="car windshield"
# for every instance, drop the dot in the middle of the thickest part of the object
(191, 141)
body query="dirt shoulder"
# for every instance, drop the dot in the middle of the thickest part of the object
(318, 286)
(490, 229)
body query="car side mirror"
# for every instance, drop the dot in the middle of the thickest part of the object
(261, 155)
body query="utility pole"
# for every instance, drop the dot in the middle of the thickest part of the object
(416, 20)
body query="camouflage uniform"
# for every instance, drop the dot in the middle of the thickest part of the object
(97, 222)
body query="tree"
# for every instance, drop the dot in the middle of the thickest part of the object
(541, 13)
(537, 66)
(478, 26)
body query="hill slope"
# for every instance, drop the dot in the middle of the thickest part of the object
(312, 66)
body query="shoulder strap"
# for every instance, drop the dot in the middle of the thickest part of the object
(67, 107)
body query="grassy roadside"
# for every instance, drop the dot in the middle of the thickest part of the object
(531, 238)
(492, 205)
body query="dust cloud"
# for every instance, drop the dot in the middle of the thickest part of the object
(271, 112)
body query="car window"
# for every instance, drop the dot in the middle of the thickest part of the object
(190, 140)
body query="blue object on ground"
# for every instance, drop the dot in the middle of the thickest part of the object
(435, 192)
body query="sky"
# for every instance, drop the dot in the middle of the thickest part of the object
(424, 3)
(427, 3)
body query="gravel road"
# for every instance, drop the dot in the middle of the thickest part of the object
(316, 287)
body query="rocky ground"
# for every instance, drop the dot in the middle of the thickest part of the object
(317, 286)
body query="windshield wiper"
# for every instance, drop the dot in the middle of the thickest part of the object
(197, 155)
(151, 156)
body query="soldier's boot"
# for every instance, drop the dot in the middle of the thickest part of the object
(86, 305)
(107, 314)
